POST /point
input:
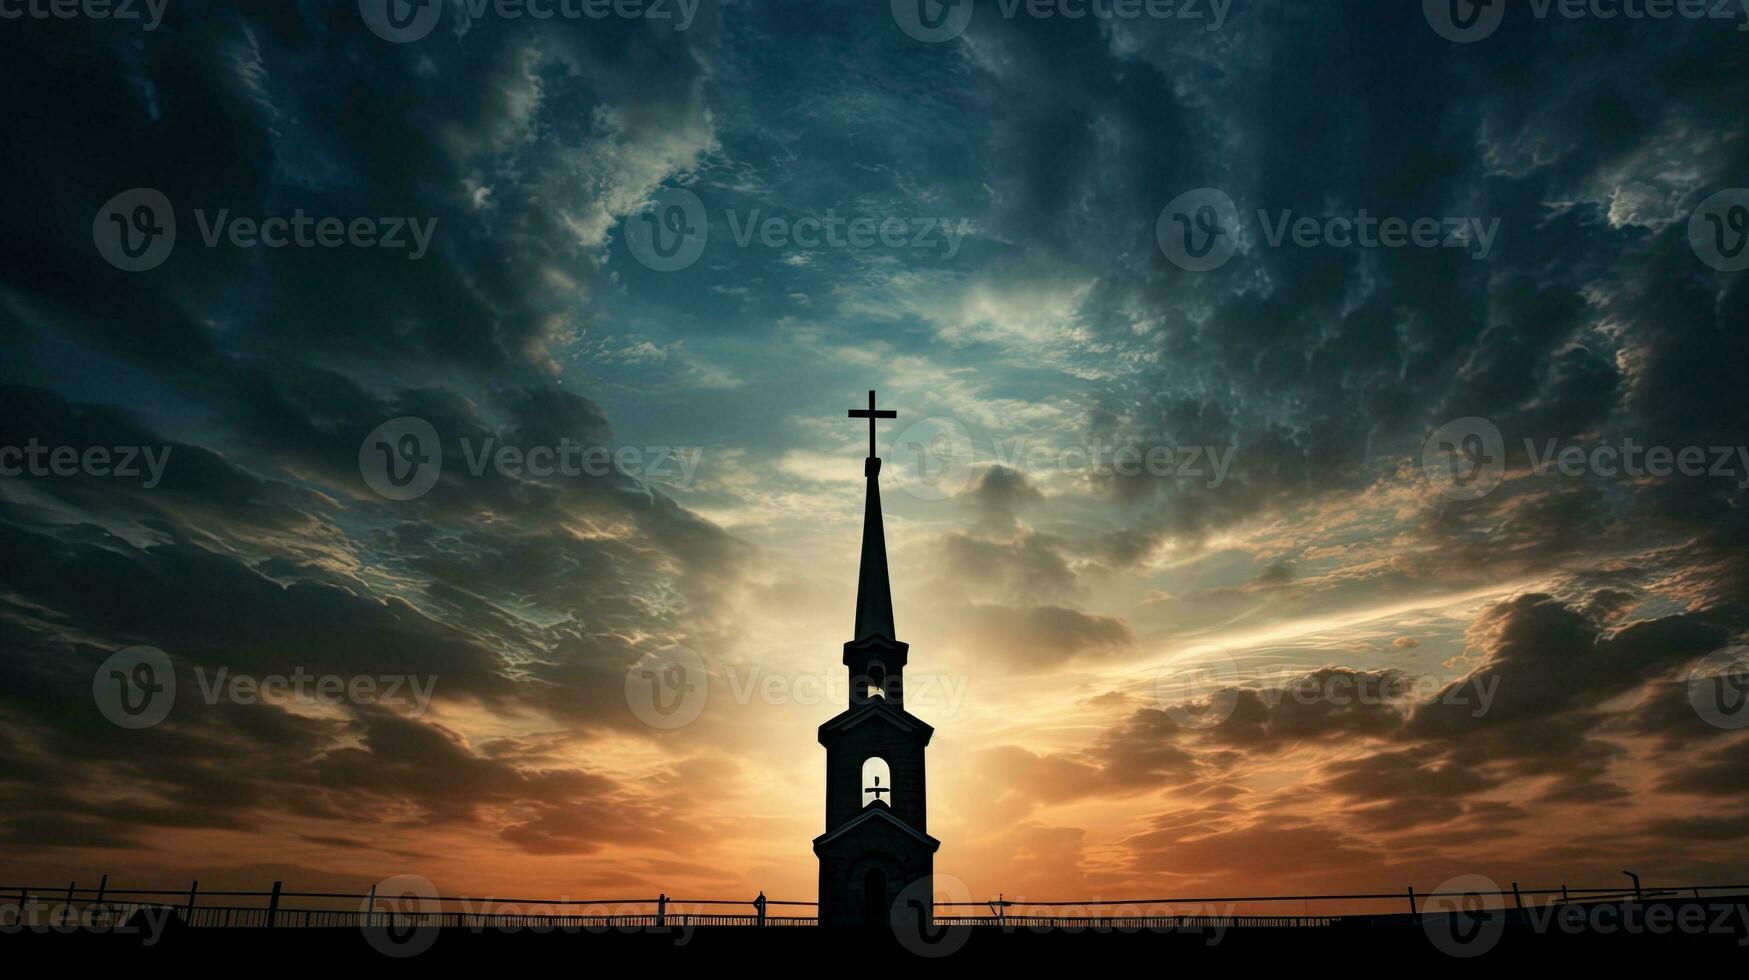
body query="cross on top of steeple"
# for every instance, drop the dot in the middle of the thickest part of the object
(874, 596)
(871, 413)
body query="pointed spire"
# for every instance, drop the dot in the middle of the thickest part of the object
(874, 595)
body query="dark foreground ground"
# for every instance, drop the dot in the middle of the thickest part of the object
(1675, 937)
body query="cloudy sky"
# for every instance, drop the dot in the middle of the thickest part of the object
(1236, 551)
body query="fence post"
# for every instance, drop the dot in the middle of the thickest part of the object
(273, 905)
(192, 889)
(661, 910)
(1564, 898)
(102, 886)
(67, 909)
(1636, 879)
(759, 904)
(1517, 899)
(370, 916)
(1412, 909)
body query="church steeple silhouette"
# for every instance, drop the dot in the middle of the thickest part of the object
(874, 594)
(876, 841)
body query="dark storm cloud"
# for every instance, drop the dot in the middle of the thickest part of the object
(143, 567)
(1546, 659)
(1721, 829)
(1327, 703)
(1312, 851)
(1550, 668)
(1000, 495)
(436, 131)
(1031, 568)
(1316, 363)
(261, 371)
(1154, 748)
(65, 583)
(1013, 586)
(1526, 720)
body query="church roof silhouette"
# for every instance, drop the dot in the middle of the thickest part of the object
(877, 708)
(878, 810)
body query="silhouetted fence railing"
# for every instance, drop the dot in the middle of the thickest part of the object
(1156, 912)
(277, 908)
(1140, 922)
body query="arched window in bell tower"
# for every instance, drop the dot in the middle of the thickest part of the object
(877, 680)
(877, 781)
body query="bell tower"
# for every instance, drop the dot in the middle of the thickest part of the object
(876, 841)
